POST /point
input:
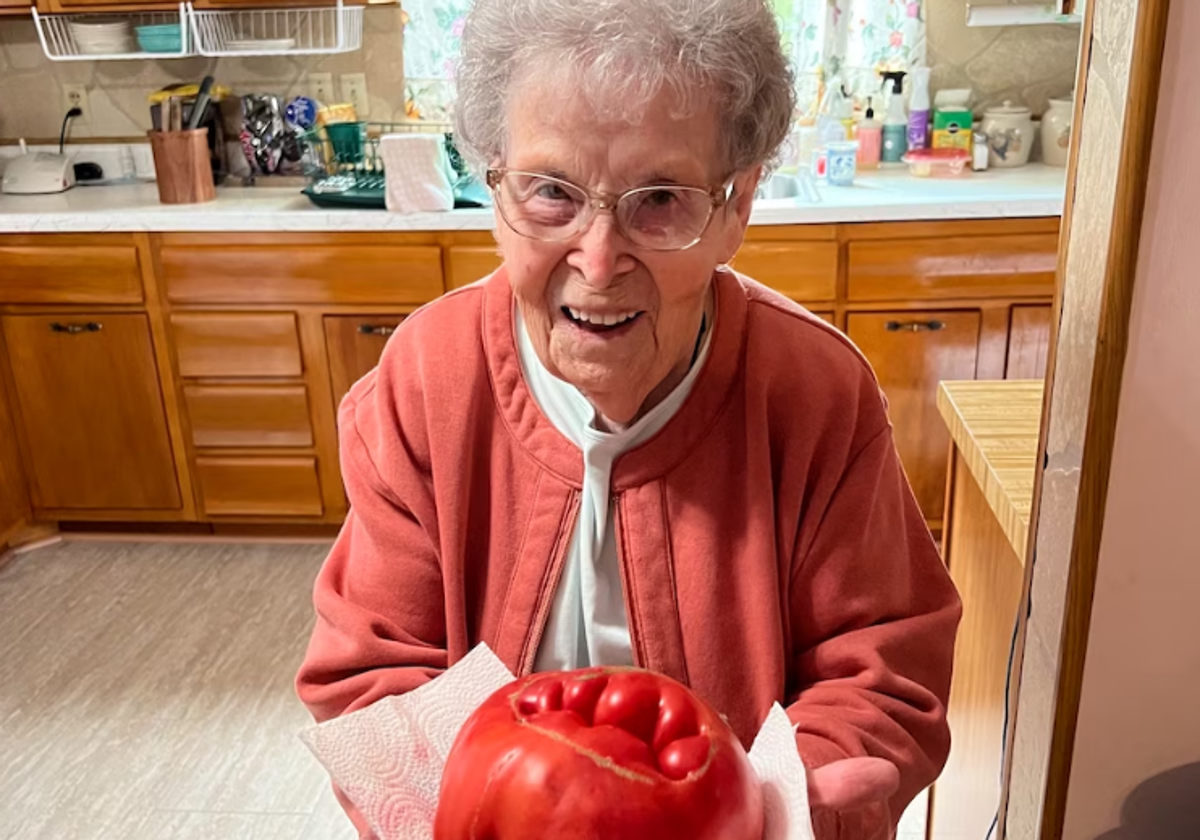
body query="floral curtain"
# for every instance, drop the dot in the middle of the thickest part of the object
(848, 40)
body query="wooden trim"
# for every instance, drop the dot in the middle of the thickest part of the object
(1112, 341)
(164, 356)
(323, 412)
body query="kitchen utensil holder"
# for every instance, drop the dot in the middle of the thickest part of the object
(182, 166)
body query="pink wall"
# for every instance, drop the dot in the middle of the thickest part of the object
(1140, 714)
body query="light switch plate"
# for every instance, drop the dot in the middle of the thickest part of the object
(320, 87)
(354, 91)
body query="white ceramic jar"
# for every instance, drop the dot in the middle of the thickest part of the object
(1056, 131)
(1009, 129)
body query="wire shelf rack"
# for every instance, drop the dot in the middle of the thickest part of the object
(63, 37)
(307, 31)
(304, 31)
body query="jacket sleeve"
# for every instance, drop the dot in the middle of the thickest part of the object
(874, 616)
(380, 627)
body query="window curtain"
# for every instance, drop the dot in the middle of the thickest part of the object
(850, 40)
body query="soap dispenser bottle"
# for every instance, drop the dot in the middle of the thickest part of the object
(895, 124)
(869, 134)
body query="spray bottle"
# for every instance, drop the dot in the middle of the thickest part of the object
(918, 109)
(895, 124)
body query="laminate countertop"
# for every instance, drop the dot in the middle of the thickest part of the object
(887, 195)
(995, 425)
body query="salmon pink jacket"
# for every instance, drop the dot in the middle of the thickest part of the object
(770, 546)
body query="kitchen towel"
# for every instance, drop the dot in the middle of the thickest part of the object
(388, 758)
(418, 173)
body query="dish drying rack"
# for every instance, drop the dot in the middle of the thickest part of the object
(320, 30)
(342, 176)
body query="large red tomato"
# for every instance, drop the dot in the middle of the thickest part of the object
(598, 753)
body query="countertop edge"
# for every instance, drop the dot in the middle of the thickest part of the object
(1014, 524)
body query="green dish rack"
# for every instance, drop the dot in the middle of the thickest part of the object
(345, 170)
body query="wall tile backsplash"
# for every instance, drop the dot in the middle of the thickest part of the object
(1027, 64)
(31, 95)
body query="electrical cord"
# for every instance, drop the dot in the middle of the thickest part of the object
(1012, 655)
(62, 135)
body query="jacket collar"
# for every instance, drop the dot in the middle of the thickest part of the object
(659, 455)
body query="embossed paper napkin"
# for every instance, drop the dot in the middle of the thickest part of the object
(388, 757)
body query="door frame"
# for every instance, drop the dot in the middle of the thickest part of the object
(1116, 102)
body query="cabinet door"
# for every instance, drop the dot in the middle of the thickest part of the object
(91, 409)
(15, 6)
(1028, 342)
(911, 353)
(14, 500)
(355, 344)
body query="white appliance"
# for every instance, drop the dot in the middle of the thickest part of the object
(37, 173)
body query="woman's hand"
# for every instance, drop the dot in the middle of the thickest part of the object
(852, 783)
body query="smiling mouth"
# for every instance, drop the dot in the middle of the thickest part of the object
(600, 323)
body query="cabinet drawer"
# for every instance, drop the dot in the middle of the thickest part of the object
(249, 415)
(803, 271)
(70, 274)
(259, 486)
(468, 263)
(953, 267)
(215, 345)
(408, 274)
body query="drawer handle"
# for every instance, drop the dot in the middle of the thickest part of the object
(915, 326)
(75, 329)
(376, 329)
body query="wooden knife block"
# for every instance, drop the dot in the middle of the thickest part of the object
(182, 166)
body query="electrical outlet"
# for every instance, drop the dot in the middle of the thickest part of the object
(354, 91)
(76, 96)
(320, 87)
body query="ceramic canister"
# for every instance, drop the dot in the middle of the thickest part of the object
(1056, 131)
(1009, 129)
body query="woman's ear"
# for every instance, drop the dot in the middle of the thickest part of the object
(736, 213)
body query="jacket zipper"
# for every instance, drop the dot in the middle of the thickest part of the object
(546, 597)
(634, 641)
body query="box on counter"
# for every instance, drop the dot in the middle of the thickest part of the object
(952, 128)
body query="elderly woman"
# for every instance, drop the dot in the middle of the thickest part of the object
(615, 450)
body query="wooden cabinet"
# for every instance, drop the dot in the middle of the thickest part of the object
(259, 336)
(911, 352)
(1028, 342)
(15, 7)
(91, 412)
(354, 344)
(14, 498)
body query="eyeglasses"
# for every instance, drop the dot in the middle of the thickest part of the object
(659, 218)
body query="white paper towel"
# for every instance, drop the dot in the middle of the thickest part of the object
(388, 758)
(418, 174)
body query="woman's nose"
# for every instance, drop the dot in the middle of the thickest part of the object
(601, 254)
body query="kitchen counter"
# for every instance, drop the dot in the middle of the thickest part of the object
(892, 195)
(995, 427)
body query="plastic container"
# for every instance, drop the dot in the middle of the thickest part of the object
(348, 141)
(842, 164)
(937, 163)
